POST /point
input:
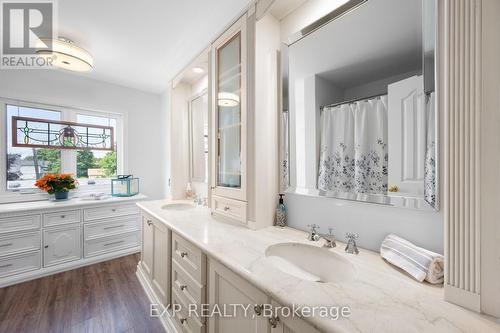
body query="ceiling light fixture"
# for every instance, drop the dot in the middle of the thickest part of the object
(228, 99)
(67, 55)
(198, 70)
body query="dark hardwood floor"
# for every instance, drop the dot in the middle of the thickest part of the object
(105, 297)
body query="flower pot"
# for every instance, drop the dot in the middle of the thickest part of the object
(61, 195)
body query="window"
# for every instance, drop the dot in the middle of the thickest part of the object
(25, 165)
(96, 166)
(21, 166)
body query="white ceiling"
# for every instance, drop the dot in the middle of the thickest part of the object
(143, 44)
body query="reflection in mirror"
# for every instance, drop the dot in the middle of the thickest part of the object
(229, 114)
(198, 138)
(361, 106)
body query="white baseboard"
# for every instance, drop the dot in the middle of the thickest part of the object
(45, 271)
(462, 297)
(166, 320)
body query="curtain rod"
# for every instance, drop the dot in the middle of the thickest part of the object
(351, 101)
(427, 94)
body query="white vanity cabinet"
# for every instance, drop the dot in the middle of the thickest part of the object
(61, 245)
(154, 267)
(53, 237)
(281, 324)
(180, 279)
(227, 288)
(147, 245)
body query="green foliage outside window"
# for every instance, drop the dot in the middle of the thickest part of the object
(50, 157)
(108, 163)
(86, 160)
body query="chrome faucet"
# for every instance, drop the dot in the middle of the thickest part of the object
(313, 234)
(329, 239)
(351, 243)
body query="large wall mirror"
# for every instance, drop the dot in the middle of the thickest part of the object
(359, 108)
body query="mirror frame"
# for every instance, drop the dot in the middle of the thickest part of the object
(419, 203)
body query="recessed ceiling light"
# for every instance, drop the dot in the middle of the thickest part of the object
(198, 70)
(66, 55)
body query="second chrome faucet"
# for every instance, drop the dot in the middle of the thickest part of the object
(315, 236)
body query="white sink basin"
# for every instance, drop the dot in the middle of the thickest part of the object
(178, 206)
(310, 263)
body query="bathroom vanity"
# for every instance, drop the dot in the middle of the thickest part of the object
(46, 237)
(341, 113)
(191, 257)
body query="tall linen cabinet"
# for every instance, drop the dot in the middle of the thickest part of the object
(244, 121)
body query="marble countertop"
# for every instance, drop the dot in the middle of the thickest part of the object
(64, 204)
(381, 298)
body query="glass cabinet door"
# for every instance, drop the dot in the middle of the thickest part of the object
(228, 88)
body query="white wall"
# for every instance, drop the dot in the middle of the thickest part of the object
(145, 123)
(372, 222)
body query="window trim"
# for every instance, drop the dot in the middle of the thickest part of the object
(68, 157)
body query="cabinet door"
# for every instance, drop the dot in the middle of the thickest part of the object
(61, 245)
(229, 112)
(160, 278)
(280, 324)
(147, 245)
(227, 288)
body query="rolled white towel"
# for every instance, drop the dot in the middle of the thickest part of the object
(420, 263)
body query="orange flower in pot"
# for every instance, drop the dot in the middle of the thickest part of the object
(57, 184)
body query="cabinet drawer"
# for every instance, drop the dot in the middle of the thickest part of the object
(97, 213)
(188, 324)
(110, 227)
(57, 218)
(233, 209)
(19, 243)
(19, 223)
(192, 291)
(97, 246)
(189, 257)
(20, 263)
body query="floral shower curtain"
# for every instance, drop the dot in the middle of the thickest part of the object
(353, 151)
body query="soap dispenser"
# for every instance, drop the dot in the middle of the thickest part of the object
(281, 213)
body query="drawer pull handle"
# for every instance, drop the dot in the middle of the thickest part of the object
(114, 243)
(184, 254)
(63, 216)
(183, 320)
(226, 208)
(5, 266)
(149, 222)
(258, 309)
(5, 245)
(183, 286)
(114, 226)
(273, 321)
(46, 246)
(113, 210)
